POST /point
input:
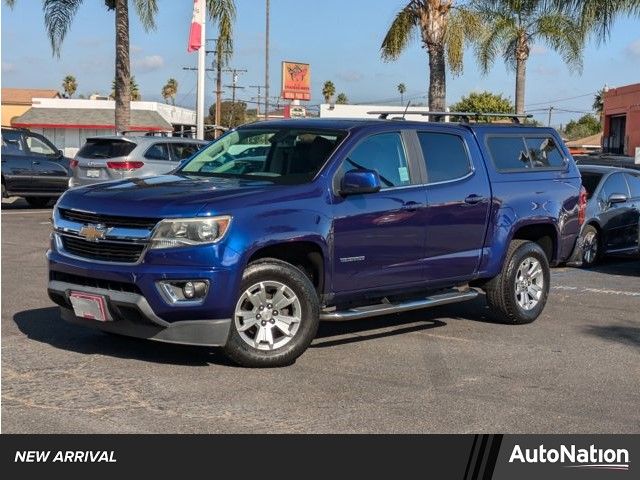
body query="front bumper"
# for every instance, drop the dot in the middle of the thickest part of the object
(131, 315)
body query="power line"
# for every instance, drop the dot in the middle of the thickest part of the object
(561, 99)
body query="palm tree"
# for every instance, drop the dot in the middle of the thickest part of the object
(342, 99)
(598, 102)
(597, 16)
(512, 26)
(134, 90)
(69, 86)
(443, 29)
(170, 90)
(59, 15)
(328, 91)
(402, 89)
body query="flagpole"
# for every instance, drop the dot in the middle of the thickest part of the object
(202, 57)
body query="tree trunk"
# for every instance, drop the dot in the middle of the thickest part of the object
(123, 71)
(437, 79)
(521, 76)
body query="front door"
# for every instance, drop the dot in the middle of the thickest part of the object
(619, 220)
(618, 132)
(379, 237)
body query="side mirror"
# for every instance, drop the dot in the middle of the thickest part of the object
(357, 182)
(617, 198)
(60, 153)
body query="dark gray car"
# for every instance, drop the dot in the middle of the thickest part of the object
(613, 213)
(32, 167)
(116, 157)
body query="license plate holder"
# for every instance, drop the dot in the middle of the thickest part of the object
(93, 173)
(89, 306)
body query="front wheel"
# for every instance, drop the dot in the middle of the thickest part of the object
(519, 293)
(276, 316)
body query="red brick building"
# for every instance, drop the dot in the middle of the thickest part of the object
(621, 114)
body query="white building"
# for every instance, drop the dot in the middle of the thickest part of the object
(69, 122)
(362, 111)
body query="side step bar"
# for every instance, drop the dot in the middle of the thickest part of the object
(389, 308)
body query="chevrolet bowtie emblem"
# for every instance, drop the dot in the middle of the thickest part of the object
(93, 233)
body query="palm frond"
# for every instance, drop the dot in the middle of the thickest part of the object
(400, 33)
(58, 16)
(223, 12)
(147, 11)
(464, 25)
(562, 34)
(598, 16)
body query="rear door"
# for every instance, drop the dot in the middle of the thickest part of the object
(48, 166)
(16, 163)
(618, 219)
(157, 159)
(458, 198)
(633, 180)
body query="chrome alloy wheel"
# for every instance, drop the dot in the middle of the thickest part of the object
(590, 247)
(529, 283)
(268, 315)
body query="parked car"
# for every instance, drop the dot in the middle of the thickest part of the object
(106, 158)
(612, 215)
(335, 220)
(32, 167)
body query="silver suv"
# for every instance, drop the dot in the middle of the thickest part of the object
(116, 157)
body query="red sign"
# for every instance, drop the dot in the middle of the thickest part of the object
(296, 81)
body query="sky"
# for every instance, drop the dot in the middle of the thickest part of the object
(340, 39)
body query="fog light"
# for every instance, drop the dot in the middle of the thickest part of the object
(189, 290)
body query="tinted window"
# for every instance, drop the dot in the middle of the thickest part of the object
(614, 184)
(634, 184)
(12, 142)
(107, 148)
(383, 153)
(508, 153)
(157, 151)
(445, 155)
(544, 153)
(38, 146)
(183, 150)
(590, 182)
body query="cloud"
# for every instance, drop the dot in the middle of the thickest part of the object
(8, 67)
(135, 48)
(350, 76)
(149, 63)
(539, 50)
(633, 49)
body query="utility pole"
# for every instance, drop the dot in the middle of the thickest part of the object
(259, 87)
(218, 67)
(234, 86)
(266, 66)
(550, 112)
(202, 57)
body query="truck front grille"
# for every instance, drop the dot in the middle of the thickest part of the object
(108, 220)
(105, 251)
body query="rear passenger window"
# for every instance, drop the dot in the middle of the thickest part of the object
(183, 150)
(445, 156)
(509, 153)
(158, 151)
(634, 184)
(544, 153)
(383, 153)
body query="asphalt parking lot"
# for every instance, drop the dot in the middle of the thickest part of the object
(450, 369)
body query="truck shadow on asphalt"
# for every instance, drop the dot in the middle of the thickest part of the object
(625, 266)
(616, 333)
(45, 325)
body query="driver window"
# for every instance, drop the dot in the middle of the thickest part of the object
(385, 154)
(35, 145)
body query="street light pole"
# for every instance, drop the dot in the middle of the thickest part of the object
(266, 67)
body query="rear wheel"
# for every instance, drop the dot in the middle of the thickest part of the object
(276, 315)
(38, 202)
(519, 293)
(591, 246)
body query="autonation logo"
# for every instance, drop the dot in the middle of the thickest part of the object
(574, 457)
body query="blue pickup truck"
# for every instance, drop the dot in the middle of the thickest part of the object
(281, 224)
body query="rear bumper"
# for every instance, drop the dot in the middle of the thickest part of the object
(131, 315)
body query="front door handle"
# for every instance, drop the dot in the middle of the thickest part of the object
(473, 199)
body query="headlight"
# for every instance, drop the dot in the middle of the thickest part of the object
(188, 232)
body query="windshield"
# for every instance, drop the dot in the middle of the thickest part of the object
(280, 155)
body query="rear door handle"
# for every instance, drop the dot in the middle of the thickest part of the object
(411, 206)
(473, 199)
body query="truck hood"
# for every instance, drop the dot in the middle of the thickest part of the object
(160, 196)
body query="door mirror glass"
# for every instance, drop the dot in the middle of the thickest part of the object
(617, 198)
(357, 182)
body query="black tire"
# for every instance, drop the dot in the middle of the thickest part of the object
(502, 295)
(38, 202)
(591, 246)
(273, 270)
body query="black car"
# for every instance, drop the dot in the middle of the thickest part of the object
(612, 215)
(32, 167)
